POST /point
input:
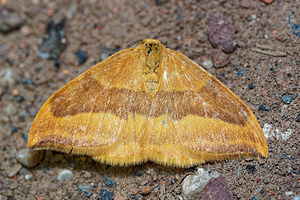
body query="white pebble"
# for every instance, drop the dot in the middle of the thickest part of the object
(64, 175)
(194, 184)
(29, 158)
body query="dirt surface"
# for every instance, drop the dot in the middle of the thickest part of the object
(268, 83)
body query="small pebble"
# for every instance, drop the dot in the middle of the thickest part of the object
(64, 175)
(241, 72)
(9, 20)
(10, 109)
(251, 169)
(108, 181)
(251, 86)
(28, 176)
(29, 158)
(25, 30)
(86, 189)
(15, 92)
(295, 27)
(82, 56)
(287, 99)
(267, 1)
(65, 72)
(72, 11)
(133, 191)
(28, 82)
(52, 46)
(13, 170)
(7, 76)
(146, 190)
(263, 107)
(159, 2)
(283, 157)
(56, 63)
(193, 184)
(14, 129)
(199, 16)
(207, 63)
(221, 33)
(105, 195)
(20, 99)
(32, 111)
(217, 189)
(98, 26)
(220, 59)
(245, 3)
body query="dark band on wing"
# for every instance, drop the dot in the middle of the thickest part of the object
(207, 102)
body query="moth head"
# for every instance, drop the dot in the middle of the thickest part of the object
(152, 50)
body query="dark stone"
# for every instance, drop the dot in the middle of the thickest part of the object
(283, 157)
(251, 169)
(20, 99)
(53, 45)
(251, 86)
(159, 2)
(85, 189)
(22, 118)
(262, 191)
(287, 99)
(263, 107)
(200, 16)
(98, 26)
(108, 181)
(14, 129)
(178, 17)
(82, 56)
(241, 72)
(24, 137)
(105, 195)
(295, 27)
(56, 63)
(28, 82)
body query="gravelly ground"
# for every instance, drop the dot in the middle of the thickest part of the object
(100, 27)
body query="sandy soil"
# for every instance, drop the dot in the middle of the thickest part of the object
(263, 81)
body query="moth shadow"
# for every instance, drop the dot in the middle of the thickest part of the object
(53, 159)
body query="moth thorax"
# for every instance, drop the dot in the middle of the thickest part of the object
(153, 51)
(153, 54)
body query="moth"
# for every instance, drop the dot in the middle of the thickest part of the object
(148, 103)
